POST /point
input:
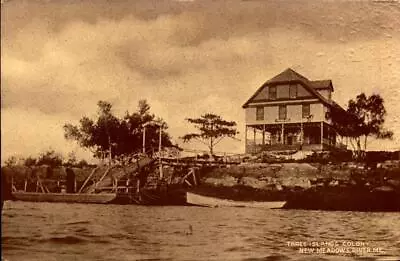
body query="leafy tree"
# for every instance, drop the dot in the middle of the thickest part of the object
(135, 122)
(71, 159)
(50, 158)
(30, 161)
(11, 161)
(82, 163)
(111, 136)
(212, 129)
(365, 118)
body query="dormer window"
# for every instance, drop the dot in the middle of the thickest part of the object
(293, 91)
(272, 92)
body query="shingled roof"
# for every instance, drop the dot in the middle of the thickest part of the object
(322, 84)
(289, 75)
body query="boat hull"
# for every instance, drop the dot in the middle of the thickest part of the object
(205, 201)
(102, 198)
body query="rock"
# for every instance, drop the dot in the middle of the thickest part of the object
(276, 165)
(296, 182)
(383, 188)
(266, 179)
(278, 187)
(390, 164)
(227, 181)
(333, 183)
(254, 165)
(253, 182)
(301, 154)
(393, 182)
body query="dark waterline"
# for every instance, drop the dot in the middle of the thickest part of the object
(58, 231)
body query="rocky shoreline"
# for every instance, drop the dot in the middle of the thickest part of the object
(343, 186)
(339, 186)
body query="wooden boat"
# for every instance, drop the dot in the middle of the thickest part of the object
(205, 201)
(101, 198)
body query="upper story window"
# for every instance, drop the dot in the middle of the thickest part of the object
(260, 113)
(272, 92)
(282, 112)
(293, 91)
(306, 110)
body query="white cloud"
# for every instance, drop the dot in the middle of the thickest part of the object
(185, 63)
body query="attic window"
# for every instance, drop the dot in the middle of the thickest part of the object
(272, 92)
(293, 91)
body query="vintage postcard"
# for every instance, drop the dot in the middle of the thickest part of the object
(200, 130)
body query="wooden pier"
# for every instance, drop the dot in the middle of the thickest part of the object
(157, 180)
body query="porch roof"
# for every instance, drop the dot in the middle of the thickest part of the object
(286, 125)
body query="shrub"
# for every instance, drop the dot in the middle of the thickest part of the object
(50, 158)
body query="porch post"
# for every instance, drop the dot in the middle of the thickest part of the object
(254, 135)
(282, 135)
(245, 140)
(144, 140)
(301, 133)
(322, 132)
(254, 140)
(263, 138)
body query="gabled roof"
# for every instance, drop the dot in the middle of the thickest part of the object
(322, 84)
(289, 75)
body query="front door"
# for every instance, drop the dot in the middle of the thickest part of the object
(290, 140)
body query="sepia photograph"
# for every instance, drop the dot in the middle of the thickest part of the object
(200, 130)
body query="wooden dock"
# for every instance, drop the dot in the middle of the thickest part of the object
(158, 180)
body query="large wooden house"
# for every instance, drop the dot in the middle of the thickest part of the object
(290, 112)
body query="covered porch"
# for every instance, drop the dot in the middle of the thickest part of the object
(290, 136)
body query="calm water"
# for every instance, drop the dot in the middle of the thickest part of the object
(57, 231)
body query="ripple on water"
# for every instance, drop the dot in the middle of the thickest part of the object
(98, 232)
(82, 222)
(69, 239)
(269, 258)
(10, 241)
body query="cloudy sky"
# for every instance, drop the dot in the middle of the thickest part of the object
(58, 58)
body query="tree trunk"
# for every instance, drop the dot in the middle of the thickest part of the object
(211, 147)
(355, 153)
(365, 143)
(109, 150)
(359, 149)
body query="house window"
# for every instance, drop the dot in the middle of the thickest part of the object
(272, 92)
(293, 91)
(260, 113)
(306, 110)
(282, 112)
